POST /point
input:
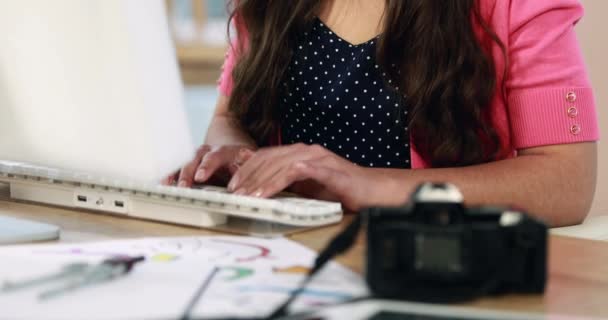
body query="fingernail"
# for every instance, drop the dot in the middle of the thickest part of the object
(240, 192)
(182, 184)
(233, 182)
(200, 174)
(258, 193)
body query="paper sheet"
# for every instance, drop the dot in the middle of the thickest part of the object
(254, 278)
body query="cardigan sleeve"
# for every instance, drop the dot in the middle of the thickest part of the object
(225, 82)
(549, 97)
(235, 50)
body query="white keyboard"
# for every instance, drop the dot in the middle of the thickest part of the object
(206, 206)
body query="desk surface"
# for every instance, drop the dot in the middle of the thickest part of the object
(578, 269)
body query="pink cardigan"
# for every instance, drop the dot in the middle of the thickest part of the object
(549, 99)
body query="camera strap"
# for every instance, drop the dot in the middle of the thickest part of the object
(339, 244)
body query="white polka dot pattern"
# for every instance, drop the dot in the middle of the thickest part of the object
(335, 96)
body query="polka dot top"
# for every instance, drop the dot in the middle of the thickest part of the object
(335, 96)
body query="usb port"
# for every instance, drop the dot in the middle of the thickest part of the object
(119, 204)
(82, 198)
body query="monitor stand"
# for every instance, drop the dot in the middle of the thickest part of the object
(14, 231)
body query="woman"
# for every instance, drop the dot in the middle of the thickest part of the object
(359, 101)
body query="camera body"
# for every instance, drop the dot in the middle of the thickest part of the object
(435, 249)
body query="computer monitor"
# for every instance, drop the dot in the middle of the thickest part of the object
(91, 86)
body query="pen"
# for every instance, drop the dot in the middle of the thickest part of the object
(107, 270)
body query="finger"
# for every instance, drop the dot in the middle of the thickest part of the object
(212, 161)
(170, 180)
(272, 164)
(255, 163)
(241, 180)
(275, 162)
(324, 171)
(242, 156)
(186, 176)
(281, 180)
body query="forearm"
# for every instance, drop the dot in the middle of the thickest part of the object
(558, 190)
(224, 130)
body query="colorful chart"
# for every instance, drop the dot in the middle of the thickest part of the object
(237, 273)
(262, 251)
(316, 293)
(255, 275)
(164, 250)
(292, 270)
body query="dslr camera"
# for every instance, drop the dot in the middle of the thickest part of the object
(435, 249)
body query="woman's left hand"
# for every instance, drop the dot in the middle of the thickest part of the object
(272, 170)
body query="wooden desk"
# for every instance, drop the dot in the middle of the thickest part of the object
(578, 281)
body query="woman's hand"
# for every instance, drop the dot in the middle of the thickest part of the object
(272, 170)
(210, 164)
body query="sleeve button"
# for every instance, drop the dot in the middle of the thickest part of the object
(572, 112)
(575, 129)
(571, 97)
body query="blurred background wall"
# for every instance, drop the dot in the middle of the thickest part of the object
(199, 31)
(594, 41)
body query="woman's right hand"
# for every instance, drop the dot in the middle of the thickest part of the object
(211, 163)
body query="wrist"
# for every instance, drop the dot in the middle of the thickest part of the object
(393, 186)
